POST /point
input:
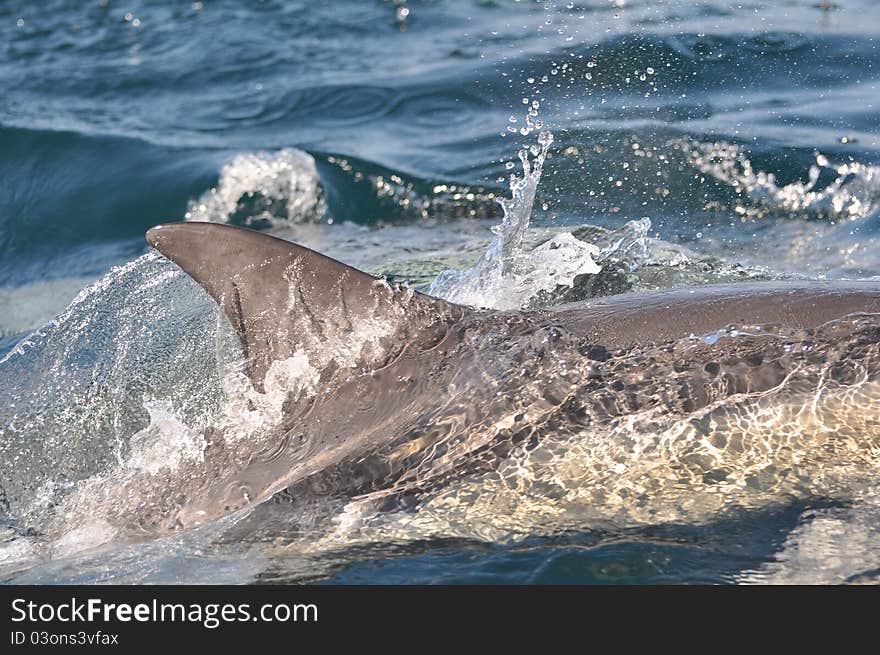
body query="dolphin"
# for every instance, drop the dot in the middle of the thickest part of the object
(398, 391)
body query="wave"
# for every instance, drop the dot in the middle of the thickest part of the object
(73, 204)
(853, 193)
(258, 190)
(81, 201)
(262, 190)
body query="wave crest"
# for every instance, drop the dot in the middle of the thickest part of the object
(853, 194)
(260, 190)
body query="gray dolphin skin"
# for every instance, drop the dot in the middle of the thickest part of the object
(409, 391)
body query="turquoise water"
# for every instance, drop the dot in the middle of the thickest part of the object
(382, 133)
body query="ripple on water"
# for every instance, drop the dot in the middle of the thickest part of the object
(339, 105)
(436, 109)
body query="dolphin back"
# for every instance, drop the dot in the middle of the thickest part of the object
(285, 300)
(656, 317)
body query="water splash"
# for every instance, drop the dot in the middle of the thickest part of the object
(165, 443)
(632, 260)
(505, 277)
(853, 194)
(116, 401)
(260, 190)
(834, 545)
(74, 391)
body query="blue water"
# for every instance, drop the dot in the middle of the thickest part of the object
(116, 116)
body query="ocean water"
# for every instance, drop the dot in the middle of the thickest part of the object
(663, 143)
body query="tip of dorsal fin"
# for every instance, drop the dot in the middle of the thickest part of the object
(286, 300)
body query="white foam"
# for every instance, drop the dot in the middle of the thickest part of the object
(286, 182)
(853, 194)
(246, 412)
(165, 443)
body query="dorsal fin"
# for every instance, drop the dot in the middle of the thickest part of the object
(284, 299)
